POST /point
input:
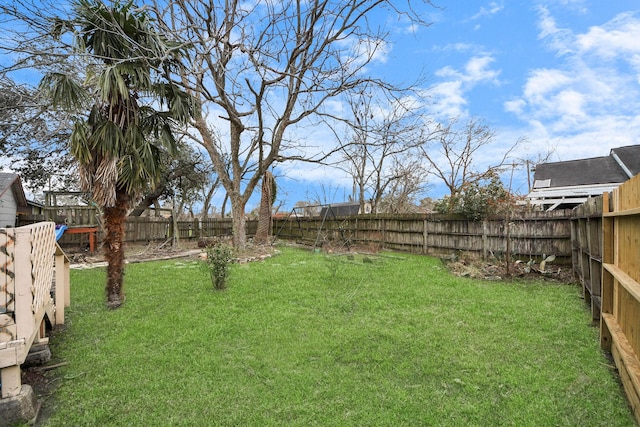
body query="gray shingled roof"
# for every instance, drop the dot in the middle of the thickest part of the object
(630, 156)
(595, 170)
(340, 209)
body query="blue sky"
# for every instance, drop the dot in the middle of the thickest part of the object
(564, 74)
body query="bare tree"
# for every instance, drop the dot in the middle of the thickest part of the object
(401, 194)
(452, 155)
(382, 134)
(261, 69)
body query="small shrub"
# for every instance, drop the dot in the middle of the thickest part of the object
(218, 260)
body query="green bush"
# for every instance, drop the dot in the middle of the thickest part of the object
(478, 199)
(218, 259)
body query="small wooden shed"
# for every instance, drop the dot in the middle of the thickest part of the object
(13, 201)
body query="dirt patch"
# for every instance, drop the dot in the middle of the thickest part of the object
(136, 252)
(44, 380)
(500, 270)
(155, 251)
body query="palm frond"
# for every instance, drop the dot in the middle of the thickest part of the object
(63, 90)
(104, 182)
(107, 139)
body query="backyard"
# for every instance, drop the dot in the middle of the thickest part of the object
(320, 339)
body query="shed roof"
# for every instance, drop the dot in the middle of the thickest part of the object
(11, 181)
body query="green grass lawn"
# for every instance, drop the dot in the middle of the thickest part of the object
(307, 339)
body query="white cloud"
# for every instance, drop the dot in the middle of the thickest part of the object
(559, 39)
(477, 70)
(448, 99)
(617, 38)
(449, 96)
(591, 99)
(492, 9)
(459, 47)
(356, 51)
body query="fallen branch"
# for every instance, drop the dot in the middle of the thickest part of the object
(50, 367)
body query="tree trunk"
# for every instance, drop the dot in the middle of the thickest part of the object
(114, 220)
(223, 208)
(149, 199)
(264, 214)
(239, 223)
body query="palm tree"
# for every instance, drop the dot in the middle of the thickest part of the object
(133, 108)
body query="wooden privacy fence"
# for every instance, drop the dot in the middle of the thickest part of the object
(586, 238)
(531, 235)
(528, 236)
(620, 314)
(145, 229)
(30, 261)
(140, 229)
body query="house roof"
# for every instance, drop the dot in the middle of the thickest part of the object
(11, 181)
(573, 182)
(340, 209)
(623, 163)
(630, 157)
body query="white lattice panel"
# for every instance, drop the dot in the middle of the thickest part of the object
(43, 247)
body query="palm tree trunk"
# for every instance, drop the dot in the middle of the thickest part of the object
(114, 220)
(264, 214)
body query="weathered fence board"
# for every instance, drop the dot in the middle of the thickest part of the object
(529, 236)
(586, 238)
(620, 314)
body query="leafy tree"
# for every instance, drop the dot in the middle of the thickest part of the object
(118, 145)
(34, 137)
(479, 199)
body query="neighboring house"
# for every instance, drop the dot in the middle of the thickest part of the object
(563, 185)
(13, 201)
(344, 209)
(37, 209)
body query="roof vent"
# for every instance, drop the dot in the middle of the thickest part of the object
(542, 183)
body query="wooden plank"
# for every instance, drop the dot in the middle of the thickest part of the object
(625, 280)
(61, 268)
(632, 394)
(7, 269)
(625, 212)
(10, 353)
(626, 362)
(23, 283)
(607, 257)
(11, 383)
(6, 320)
(8, 333)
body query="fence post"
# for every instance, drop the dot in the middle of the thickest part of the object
(424, 236)
(606, 304)
(484, 239)
(384, 233)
